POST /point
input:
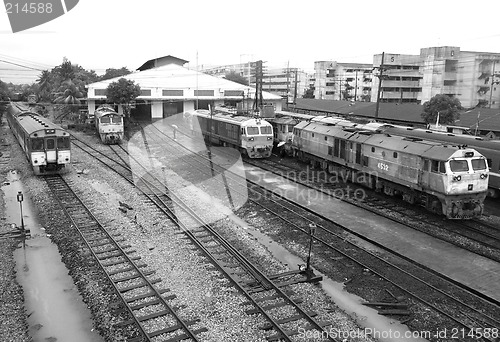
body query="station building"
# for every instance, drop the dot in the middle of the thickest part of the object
(169, 88)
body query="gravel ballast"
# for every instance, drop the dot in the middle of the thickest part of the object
(201, 290)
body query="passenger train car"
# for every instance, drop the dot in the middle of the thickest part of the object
(442, 178)
(488, 148)
(251, 136)
(46, 145)
(109, 124)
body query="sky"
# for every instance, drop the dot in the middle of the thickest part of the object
(101, 34)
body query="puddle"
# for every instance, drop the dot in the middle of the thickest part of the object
(383, 328)
(54, 307)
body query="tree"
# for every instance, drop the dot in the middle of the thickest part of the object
(347, 91)
(68, 97)
(235, 77)
(69, 93)
(5, 95)
(309, 93)
(112, 73)
(123, 92)
(447, 107)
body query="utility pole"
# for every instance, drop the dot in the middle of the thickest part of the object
(258, 85)
(356, 86)
(379, 85)
(295, 92)
(287, 82)
(340, 88)
(492, 82)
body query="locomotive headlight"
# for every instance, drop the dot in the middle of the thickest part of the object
(457, 178)
(251, 139)
(483, 176)
(269, 138)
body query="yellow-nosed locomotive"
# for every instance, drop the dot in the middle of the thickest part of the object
(446, 179)
(109, 124)
(251, 136)
(46, 145)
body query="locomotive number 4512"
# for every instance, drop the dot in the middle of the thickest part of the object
(383, 166)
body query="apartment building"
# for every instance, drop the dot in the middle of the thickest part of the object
(342, 81)
(289, 83)
(399, 78)
(472, 77)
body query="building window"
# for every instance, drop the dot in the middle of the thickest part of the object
(204, 92)
(233, 92)
(172, 92)
(145, 92)
(100, 92)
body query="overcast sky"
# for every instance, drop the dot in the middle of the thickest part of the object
(101, 34)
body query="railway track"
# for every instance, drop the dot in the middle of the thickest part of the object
(150, 314)
(477, 236)
(264, 294)
(419, 278)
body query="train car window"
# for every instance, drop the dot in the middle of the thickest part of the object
(336, 147)
(63, 143)
(426, 165)
(313, 135)
(342, 148)
(326, 138)
(478, 164)
(330, 150)
(37, 144)
(50, 144)
(105, 119)
(373, 149)
(395, 154)
(265, 130)
(434, 166)
(252, 130)
(459, 165)
(290, 128)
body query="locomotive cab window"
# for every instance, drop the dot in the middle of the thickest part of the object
(37, 144)
(50, 144)
(252, 130)
(105, 119)
(437, 166)
(478, 164)
(63, 143)
(116, 119)
(459, 165)
(265, 130)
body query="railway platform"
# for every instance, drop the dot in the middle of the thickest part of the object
(478, 273)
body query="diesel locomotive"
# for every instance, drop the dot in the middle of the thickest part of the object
(109, 124)
(443, 178)
(251, 136)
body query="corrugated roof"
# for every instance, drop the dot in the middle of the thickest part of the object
(409, 113)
